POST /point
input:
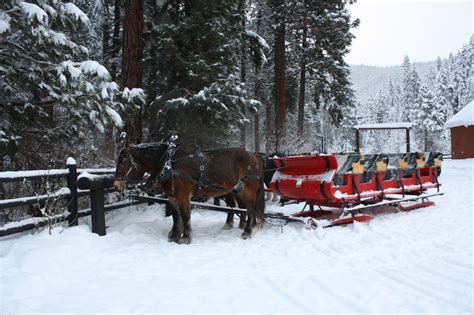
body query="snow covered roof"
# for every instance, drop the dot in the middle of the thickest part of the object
(465, 117)
(393, 125)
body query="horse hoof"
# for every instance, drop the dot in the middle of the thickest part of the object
(174, 240)
(185, 240)
(246, 235)
(227, 226)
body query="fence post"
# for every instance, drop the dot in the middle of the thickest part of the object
(98, 211)
(72, 185)
(96, 185)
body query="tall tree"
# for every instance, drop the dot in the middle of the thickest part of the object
(280, 76)
(410, 90)
(200, 93)
(320, 36)
(425, 117)
(132, 71)
(463, 73)
(301, 101)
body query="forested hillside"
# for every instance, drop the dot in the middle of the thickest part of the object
(369, 80)
(425, 94)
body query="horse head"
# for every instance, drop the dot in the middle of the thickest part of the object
(125, 170)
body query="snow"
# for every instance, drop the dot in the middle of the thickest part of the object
(70, 161)
(33, 11)
(71, 9)
(407, 262)
(131, 94)
(465, 117)
(384, 125)
(4, 22)
(26, 174)
(261, 41)
(88, 176)
(118, 122)
(64, 191)
(93, 67)
(181, 100)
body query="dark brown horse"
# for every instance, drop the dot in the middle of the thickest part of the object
(127, 173)
(208, 174)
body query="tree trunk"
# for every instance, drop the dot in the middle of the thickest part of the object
(302, 86)
(243, 136)
(280, 95)
(132, 62)
(115, 41)
(105, 34)
(257, 131)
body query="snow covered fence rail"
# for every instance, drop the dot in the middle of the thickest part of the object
(70, 194)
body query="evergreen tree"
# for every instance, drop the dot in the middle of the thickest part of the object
(51, 93)
(426, 118)
(394, 104)
(197, 89)
(322, 31)
(462, 78)
(410, 90)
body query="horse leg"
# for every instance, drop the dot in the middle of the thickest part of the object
(243, 217)
(185, 207)
(229, 222)
(177, 230)
(248, 197)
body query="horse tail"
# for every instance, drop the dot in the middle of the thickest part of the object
(260, 201)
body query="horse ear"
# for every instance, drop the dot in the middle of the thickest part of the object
(123, 138)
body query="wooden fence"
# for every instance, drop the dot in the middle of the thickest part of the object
(96, 185)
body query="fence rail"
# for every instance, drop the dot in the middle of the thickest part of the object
(80, 182)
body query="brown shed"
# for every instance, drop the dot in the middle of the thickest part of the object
(462, 132)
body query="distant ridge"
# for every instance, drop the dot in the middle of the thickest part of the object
(369, 80)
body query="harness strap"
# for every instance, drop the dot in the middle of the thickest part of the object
(200, 158)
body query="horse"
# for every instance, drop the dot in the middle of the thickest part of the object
(206, 174)
(152, 187)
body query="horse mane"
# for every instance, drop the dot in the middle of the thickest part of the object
(152, 151)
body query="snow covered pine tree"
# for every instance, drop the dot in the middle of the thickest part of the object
(196, 86)
(50, 93)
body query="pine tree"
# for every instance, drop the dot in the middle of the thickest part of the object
(410, 90)
(463, 74)
(427, 118)
(322, 30)
(198, 90)
(50, 90)
(394, 102)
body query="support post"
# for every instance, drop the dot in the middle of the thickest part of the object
(72, 185)
(408, 139)
(98, 211)
(357, 140)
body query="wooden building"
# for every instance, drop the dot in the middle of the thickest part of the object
(462, 132)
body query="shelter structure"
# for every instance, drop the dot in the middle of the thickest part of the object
(462, 132)
(383, 126)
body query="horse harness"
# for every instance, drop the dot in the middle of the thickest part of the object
(167, 172)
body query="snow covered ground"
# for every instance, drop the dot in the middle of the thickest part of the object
(415, 262)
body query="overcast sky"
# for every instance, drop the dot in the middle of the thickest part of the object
(421, 29)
